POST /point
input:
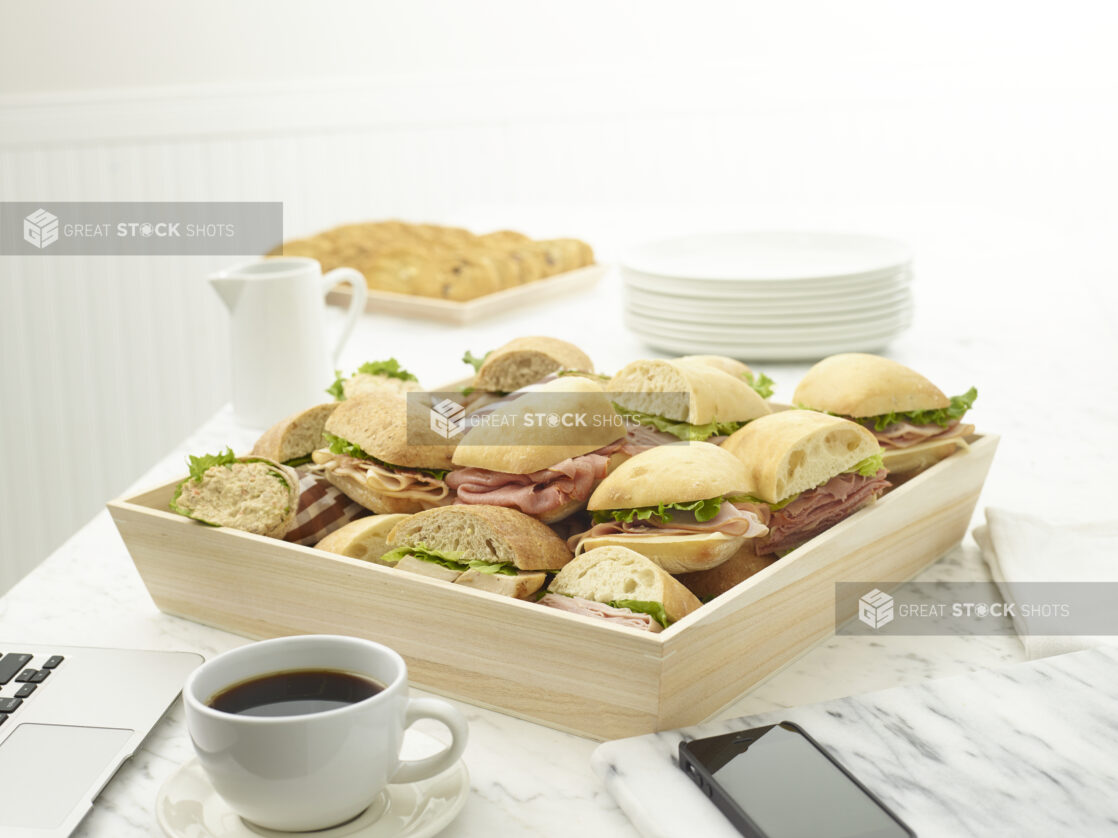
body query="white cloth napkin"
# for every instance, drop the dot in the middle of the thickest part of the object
(1022, 548)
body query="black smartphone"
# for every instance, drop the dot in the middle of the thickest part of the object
(777, 782)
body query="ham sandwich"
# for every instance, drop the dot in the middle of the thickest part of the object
(819, 509)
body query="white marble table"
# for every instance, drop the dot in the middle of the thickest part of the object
(1021, 309)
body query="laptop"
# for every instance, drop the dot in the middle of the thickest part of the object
(69, 718)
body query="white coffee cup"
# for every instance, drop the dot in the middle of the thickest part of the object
(317, 770)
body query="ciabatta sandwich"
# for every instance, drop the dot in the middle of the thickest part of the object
(291, 440)
(673, 504)
(371, 455)
(621, 586)
(492, 548)
(761, 383)
(253, 494)
(514, 456)
(681, 400)
(524, 361)
(915, 423)
(810, 470)
(374, 377)
(365, 539)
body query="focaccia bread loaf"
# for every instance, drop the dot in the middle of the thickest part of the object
(430, 260)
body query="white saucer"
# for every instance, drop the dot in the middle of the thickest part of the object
(188, 807)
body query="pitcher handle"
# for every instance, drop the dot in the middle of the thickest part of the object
(356, 302)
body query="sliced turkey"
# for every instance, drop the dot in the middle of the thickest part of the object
(589, 608)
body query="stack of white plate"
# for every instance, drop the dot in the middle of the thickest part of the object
(769, 296)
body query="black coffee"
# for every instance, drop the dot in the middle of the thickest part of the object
(295, 692)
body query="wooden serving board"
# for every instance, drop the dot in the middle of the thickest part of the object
(449, 311)
(563, 670)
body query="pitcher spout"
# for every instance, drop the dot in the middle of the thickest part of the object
(229, 288)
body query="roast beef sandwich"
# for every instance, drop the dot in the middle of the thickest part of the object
(808, 470)
(253, 494)
(492, 548)
(542, 454)
(371, 455)
(666, 401)
(674, 505)
(621, 586)
(915, 423)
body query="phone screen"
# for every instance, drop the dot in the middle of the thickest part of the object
(788, 788)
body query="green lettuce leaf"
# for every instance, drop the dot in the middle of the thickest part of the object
(297, 461)
(390, 369)
(943, 416)
(761, 383)
(683, 430)
(200, 465)
(600, 376)
(869, 466)
(474, 361)
(449, 559)
(653, 609)
(337, 389)
(704, 510)
(348, 449)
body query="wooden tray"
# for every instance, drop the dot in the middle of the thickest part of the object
(449, 311)
(562, 670)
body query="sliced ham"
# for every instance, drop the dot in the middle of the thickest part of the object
(589, 608)
(819, 509)
(538, 493)
(400, 483)
(905, 434)
(730, 520)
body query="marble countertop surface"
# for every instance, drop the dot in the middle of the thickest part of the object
(1027, 749)
(1022, 309)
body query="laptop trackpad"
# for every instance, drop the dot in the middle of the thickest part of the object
(60, 764)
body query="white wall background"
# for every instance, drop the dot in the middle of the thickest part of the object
(423, 110)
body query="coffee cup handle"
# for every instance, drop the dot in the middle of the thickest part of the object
(411, 771)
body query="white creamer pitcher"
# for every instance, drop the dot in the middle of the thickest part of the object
(279, 356)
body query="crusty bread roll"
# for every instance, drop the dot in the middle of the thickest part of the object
(686, 391)
(795, 450)
(526, 360)
(491, 534)
(676, 473)
(391, 428)
(707, 584)
(253, 494)
(728, 365)
(516, 437)
(363, 382)
(674, 553)
(855, 384)
(365, 539)
(296, 436)
(610, 574)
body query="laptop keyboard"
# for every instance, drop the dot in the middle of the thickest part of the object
(20, 676)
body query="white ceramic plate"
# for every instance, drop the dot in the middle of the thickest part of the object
(725, 316)
(766, 352)
(778, 258)
(775, 336)
(188, 807)
(829, 289)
